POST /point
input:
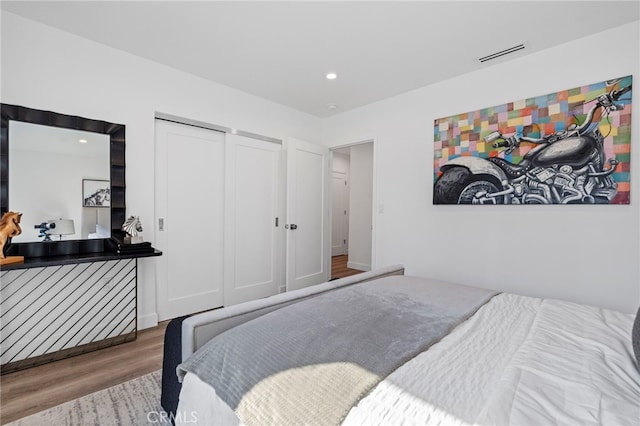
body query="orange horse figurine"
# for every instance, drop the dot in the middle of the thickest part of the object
(9, 228)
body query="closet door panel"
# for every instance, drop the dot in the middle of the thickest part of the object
(190, 179)
(252, 204)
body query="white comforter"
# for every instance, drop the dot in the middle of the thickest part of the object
(518, 360)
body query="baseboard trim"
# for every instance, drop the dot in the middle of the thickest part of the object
(147, 321)
(358, 266)
(67, 353)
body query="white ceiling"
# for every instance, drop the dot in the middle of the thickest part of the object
(282, 50)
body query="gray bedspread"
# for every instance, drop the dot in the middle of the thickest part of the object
(310, 362)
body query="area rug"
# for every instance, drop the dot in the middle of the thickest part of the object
(136, 402)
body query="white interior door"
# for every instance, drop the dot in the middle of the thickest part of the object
(190, 195)
(251, 232)
(308, 246)
(339, 214)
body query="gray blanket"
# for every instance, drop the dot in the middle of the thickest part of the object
(310, 362)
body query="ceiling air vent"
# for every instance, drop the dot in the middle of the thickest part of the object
(504, 52)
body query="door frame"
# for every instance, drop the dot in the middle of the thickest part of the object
(374, 201)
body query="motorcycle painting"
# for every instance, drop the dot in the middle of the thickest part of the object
(569, 147)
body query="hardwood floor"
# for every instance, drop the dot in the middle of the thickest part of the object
(339, 267)
(35, 389)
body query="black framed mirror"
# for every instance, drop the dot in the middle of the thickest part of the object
(117, 185)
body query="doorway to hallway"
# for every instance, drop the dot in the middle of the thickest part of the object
(352, 209)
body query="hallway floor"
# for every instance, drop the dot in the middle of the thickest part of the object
(339, 267)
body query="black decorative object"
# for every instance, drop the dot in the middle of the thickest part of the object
(138, 248)
(44, 229)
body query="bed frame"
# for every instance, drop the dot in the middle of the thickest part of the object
(186, 335)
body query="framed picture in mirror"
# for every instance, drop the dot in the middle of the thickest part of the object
(96, 193)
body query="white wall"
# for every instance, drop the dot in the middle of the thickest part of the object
(361, 205)
(581, 253)
(587, 254)
(41, 154)
(47, 198)
(48, 69)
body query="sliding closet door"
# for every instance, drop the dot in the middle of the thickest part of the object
(252, 225)
(190, 196)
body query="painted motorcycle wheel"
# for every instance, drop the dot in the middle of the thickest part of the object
(458, 185)
(469, 194)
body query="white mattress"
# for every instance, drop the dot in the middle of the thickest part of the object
(518, 360)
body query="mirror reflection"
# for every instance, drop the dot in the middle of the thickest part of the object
(50, 169)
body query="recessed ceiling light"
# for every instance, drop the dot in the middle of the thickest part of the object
(332, 76)
(82, 140)
(332, 106)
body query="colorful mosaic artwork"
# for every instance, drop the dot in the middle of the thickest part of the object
(533, 174)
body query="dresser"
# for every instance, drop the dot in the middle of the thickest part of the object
(55, 307)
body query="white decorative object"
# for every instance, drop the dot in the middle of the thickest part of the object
(132, 226)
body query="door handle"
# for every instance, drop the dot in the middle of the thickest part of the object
(293, 226)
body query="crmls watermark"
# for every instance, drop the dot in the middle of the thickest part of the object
(181, 417)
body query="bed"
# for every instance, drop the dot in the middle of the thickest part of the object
(383, 348)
